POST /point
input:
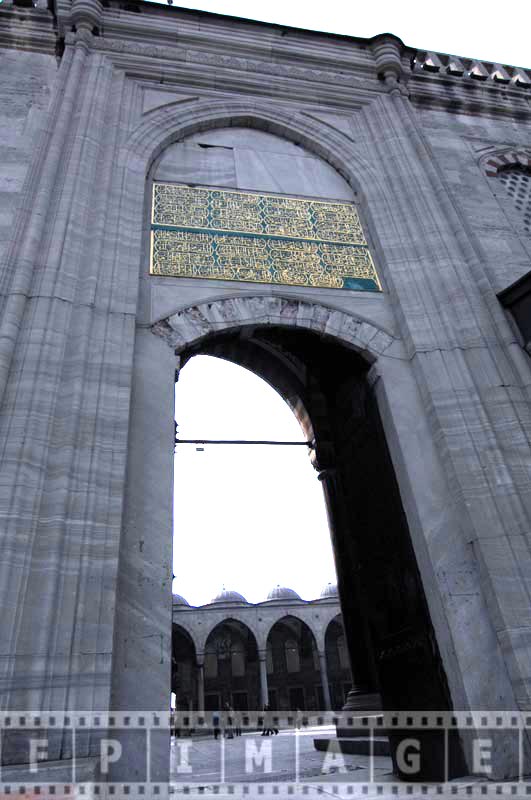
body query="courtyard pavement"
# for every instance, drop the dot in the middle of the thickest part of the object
(287, 766)
(251, 758)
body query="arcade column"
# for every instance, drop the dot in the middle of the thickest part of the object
(264, 691)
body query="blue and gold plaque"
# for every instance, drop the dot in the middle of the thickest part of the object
(262, 238)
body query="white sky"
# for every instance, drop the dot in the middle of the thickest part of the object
(246, 516)
(251, 517)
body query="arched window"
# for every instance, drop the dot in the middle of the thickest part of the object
(516, 180)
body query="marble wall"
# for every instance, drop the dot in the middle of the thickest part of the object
(461, 146)
(26, 81)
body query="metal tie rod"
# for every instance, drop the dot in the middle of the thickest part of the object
(241, 441)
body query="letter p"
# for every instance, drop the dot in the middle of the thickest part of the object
(110, 752)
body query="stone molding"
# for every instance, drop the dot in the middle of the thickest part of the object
(219, 60)
(190, 325)
(210, 71)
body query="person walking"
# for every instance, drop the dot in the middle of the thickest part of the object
(216, 724)
(237, 717)
(229, 721)
(268, 723)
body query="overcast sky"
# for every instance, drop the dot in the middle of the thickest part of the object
(251, 517)
(248, 517)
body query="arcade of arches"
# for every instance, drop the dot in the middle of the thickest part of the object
(284, 652)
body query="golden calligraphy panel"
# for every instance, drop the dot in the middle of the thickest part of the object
(229, 235)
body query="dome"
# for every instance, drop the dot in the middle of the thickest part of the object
(228, 596)
(282, 593)
(178, 600)
(330, 590)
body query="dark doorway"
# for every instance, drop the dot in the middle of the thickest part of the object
(380, 588)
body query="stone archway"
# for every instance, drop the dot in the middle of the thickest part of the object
(231, 666)
(184, 669)
(293, 666)
(191, 325)
(194, 325)
(333, 372)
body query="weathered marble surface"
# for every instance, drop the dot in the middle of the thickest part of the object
(26, 81)
(247, 159)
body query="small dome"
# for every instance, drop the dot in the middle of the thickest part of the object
(330, 590)
(228, 596)
(178, 600)
(282, 593)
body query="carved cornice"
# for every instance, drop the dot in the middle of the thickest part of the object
(210, 52)
(243, 65)
(202, 70)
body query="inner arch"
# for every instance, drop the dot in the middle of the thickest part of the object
(248, 158)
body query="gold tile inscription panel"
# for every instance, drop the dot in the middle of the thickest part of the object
(262, 238)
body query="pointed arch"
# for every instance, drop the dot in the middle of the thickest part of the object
(190, 325)
(172, 123)
(493, 163)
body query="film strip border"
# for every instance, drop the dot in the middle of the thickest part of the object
(436, 720)
(151, 723)
(249, 791)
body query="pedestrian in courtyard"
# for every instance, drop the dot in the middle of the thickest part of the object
(216, 724)
(229, 713)
(268, 722)
(237, 717)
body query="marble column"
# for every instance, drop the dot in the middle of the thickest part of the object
(353, 603)
(264, 691)
(324, 681)
(200, 683)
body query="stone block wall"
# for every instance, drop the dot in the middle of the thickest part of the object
(461, 145)
(26, 81)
